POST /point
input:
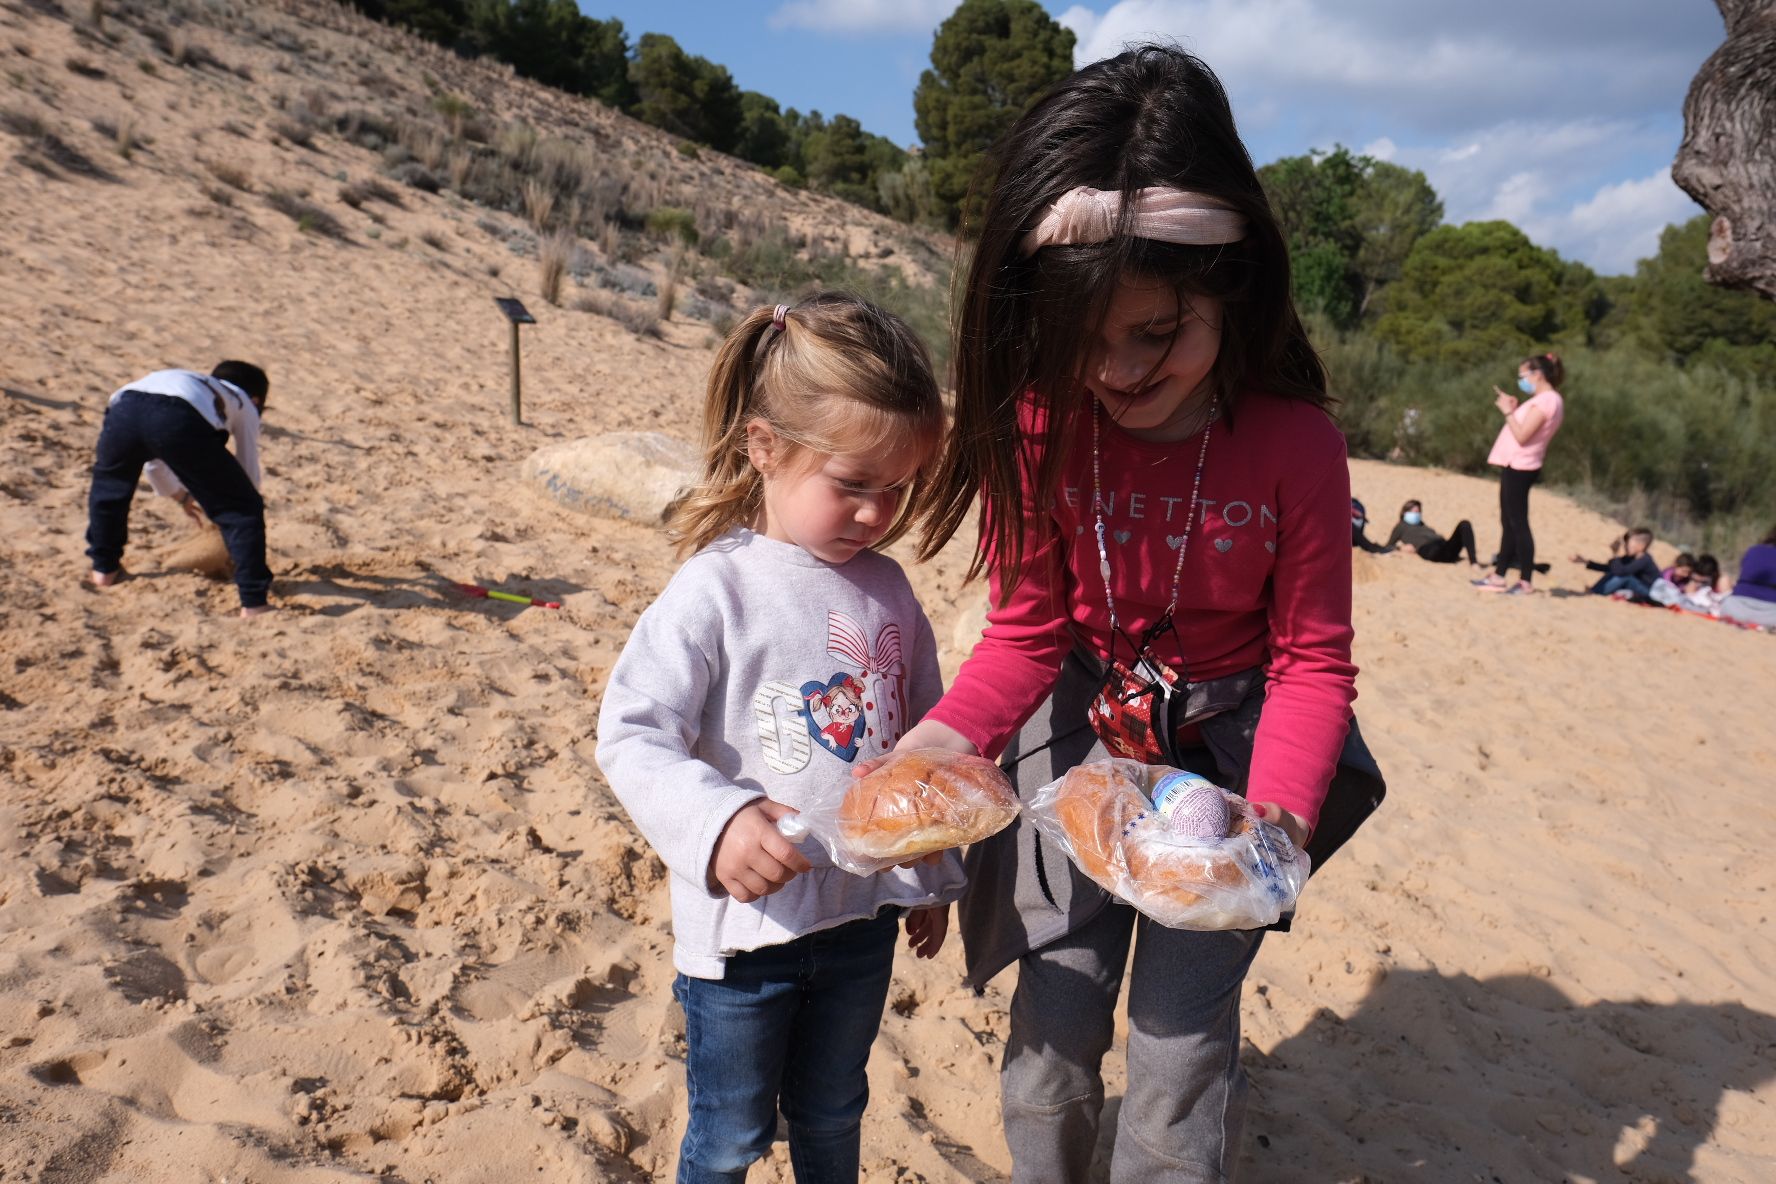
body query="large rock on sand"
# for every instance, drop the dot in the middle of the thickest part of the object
(630, 475)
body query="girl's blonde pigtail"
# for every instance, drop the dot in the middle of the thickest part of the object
(729, 492)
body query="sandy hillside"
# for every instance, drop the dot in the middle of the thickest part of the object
(340, 895)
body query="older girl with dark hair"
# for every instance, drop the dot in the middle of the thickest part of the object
(1146, 425)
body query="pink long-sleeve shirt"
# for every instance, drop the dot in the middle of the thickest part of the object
(1266, 581)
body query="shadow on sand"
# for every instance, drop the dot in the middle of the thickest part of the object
(332, 590)
(39, 400)
(1447, 1077)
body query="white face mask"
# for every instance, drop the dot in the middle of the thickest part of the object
(1413, 517)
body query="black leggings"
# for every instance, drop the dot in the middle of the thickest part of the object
(1517, 544)
(1451, 549)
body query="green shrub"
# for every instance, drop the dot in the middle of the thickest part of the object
(667, 221)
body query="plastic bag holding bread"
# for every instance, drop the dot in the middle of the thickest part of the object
(1200, 859)
(921, 800)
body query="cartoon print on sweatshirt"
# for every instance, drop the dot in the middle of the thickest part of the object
(834, 711)
(858, 711)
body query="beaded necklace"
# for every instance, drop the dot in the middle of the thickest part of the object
(1189, 522)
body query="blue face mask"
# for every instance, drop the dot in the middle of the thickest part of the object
(1413, 517)
(1526, 386)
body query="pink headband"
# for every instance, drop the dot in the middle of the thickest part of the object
(1087, 215)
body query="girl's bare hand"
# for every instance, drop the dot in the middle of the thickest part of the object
(752, 858)
(925, 930)
(1292, 824)
(926, 734)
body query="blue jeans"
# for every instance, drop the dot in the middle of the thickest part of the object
(141, 427)
(1610, 585)
(788, 1028)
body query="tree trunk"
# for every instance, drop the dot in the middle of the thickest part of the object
(1727, 161)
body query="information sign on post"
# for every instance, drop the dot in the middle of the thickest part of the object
(517, 314)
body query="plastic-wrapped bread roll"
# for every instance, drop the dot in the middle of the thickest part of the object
(1166, 860)
(919, 801)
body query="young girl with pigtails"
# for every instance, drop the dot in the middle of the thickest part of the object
(1163, 527)
(785, 651)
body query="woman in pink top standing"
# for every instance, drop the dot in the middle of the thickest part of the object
(1521, 447)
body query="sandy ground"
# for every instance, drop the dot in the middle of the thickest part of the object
(339, 894)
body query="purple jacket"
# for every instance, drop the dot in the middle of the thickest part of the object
(1757, 574)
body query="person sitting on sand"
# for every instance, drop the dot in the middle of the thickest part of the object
(174, 426)
(1413, 537)
(1696, 586)
(1360, 532)
(1753, 601)
(1703, 592)
(1630, 572)
(1681, 569)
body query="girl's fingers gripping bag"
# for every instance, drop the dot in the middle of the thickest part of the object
(919, 801)
(1179, 848)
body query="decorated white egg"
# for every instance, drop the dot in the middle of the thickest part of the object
(1191, 807)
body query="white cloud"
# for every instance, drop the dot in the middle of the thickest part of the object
(1435, 66)
(858, 17)
(1620, 223)
(1550, 115)
(1558, 183)
(1084, 23)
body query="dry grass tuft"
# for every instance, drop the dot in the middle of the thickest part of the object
(539, 203)
(675, 266)
(309, 218)
(293, 131)
(232, 175)
(633, 315)
(360, 193)
(553, 255)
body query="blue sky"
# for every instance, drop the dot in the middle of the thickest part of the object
(1560, 115)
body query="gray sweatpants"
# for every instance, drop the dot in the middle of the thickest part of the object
(1750, 610)
(1181, 1119)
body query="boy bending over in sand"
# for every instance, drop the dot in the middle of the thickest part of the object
(175, 426)
(786, 649)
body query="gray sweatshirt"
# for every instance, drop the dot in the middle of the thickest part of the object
(762, 671)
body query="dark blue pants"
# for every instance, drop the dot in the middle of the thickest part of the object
(140, 427)
(788, 1028)
(1610, 585)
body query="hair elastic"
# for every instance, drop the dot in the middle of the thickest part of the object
(780, 318)
(1087, 215)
